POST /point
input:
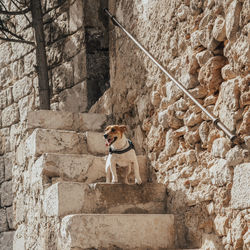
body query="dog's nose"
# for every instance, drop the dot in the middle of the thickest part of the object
(105, 136)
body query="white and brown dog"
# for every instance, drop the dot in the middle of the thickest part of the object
(121, 153)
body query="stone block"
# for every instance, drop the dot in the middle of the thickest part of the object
(235, 156)
(210, 73)
(62, 77)
(203, 57)
(220, 225)
(65, 198)
(3, 220)
(3, 97)
(92, 121)
(6, 194)
(220, 147)
(4, 140)
(220, 173)
(228, 103)
(9, 211)
(146, 198)
(25, 105)
(54, 52)
(232, 19)
(75, 16)
(171, 144)
(219, 29)
(79, 64)
(10, 115)
(240, 193)
(83, 168)
(211, 241)
(61, 120)
(195, 41)
(205, 33)
(6, 240)
(96, 143)
(126, 231)
(60, 27)
(29, 63)
(5, 52)
(6, 76)
(22, 88)
(73, 44)
(227, 72)
(1, 169)
(74, 99)
(8, 162)
(55, 141)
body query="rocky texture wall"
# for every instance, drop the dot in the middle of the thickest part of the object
(73, 40)
(18, 94)
(205, 45)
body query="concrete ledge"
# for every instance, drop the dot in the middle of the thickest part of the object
(126, 231)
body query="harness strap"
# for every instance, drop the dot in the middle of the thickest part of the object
(131, 146)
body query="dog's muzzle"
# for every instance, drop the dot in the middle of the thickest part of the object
(109, 141)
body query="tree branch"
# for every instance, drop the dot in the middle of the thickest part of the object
(17, 41)
(11, 33)
(21, 12)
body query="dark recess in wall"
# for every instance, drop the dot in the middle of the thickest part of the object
(97, 50)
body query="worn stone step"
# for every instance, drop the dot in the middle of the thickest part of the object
(82, 168)
(55, 141)
(65, 198)
(123, 231)
(69, 142)
(61, 120)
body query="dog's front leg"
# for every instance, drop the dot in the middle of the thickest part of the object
(137, 173)
(113, 171)
(107, 169)
(108, 174)
(128, 171)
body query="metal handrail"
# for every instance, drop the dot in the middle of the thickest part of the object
(215, 120)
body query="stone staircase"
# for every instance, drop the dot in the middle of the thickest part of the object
(70, 154)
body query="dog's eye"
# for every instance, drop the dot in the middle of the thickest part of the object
(113, 130)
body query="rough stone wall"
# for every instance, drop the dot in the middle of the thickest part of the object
(18, 94)
(68, 39)
(205, 45)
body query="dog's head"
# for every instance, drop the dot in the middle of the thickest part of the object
(113, 133)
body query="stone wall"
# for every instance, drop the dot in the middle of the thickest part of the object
(205, 45)
(69, 34)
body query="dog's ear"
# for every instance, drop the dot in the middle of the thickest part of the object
(123, 128)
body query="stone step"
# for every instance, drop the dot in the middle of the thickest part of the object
(65, 198)
(82, 168)
(117, 231)
(68, 142)
(55, 141)
(61, 120)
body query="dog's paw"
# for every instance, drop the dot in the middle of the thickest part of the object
(114, 181)
(138, 181)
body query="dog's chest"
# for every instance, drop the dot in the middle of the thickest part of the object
(123, 160)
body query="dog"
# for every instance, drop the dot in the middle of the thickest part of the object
(121, 153)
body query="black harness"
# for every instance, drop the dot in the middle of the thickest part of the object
(131, 146)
